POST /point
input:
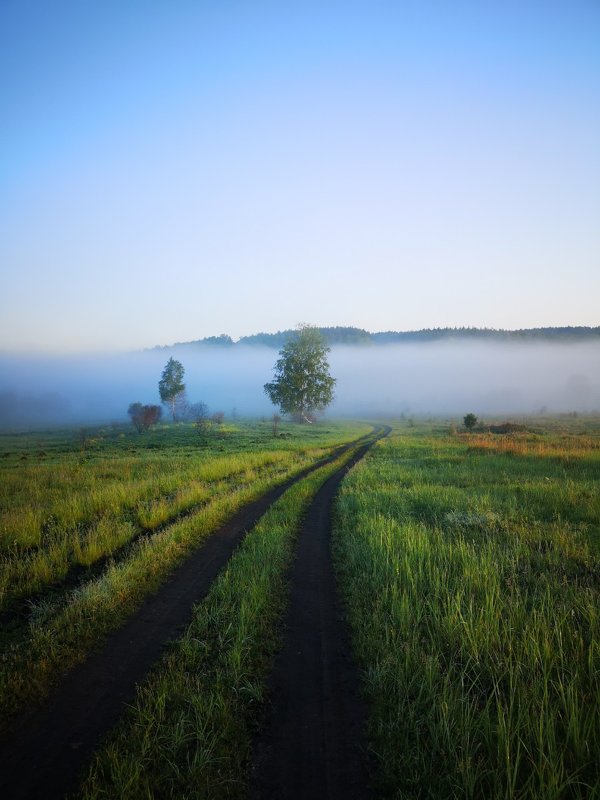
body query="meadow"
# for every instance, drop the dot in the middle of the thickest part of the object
(470, 566)
(93, 521)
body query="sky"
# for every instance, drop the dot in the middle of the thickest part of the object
(175, 170)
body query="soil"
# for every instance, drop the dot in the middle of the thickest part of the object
(312, 746)
(49, 749)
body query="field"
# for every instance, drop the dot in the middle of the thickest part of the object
(90, 524)
(471, 569)
(468, 566)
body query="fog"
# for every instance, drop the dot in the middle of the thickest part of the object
(447, 378)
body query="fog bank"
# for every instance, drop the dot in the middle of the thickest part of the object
(436, 378)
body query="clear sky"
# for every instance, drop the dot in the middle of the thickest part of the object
(172, 170)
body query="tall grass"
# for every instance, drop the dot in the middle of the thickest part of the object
(26, 573)
(473, 588)
(72, 512)
(70, 488)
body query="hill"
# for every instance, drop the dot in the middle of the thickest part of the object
(358, 336)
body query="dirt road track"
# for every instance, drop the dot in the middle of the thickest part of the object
(49, 749)
(311, 747)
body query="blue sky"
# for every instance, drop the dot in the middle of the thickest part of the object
(172, 170)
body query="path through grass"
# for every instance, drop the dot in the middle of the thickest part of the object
(189, 732)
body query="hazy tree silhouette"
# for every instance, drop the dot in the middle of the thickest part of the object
(469, 420)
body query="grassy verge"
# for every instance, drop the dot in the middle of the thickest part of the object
(189, 731)
(472, 580)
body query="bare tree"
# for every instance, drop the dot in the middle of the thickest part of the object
(200, 414)
(275, 420)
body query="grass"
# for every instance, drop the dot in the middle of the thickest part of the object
(112, 525)
(48, 480)
(471, 572)
(189, 731)
(63, 622)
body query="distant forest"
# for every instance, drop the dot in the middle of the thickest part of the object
(358, 336)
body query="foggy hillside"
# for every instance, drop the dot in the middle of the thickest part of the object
(348, 335)
(443, 377)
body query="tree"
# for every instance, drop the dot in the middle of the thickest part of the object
(199, 412)
(144, 417)
(302, 384)
(470, 420)
(171, 386)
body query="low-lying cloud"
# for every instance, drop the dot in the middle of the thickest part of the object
(435, 378)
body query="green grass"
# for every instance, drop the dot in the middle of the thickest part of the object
(471, 572)
(208, 485)
(112, 524)
(48, 481)
(189, 732)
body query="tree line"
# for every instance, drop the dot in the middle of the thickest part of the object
(344, 335)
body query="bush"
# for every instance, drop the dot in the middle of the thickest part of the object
(470, 420)
(144, 417)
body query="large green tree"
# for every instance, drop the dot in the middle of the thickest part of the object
(171, 386)
(302, 384)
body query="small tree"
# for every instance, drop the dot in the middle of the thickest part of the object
(302, 384)
(171, 386)
(151, 415)
(135, 415)
(144, 417)
(275, 420)
(200, 415)
(470, 420)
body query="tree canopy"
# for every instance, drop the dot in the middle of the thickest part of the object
(302, 384)
(171, 386)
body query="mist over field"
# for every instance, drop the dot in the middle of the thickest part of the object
(437, 378)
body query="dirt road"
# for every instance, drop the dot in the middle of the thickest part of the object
(311, 747)
(49, 750)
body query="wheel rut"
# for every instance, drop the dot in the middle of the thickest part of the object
(311, 744)
(49, 749)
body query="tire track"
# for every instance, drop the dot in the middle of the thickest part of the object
(311, 745)
(49, 749)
